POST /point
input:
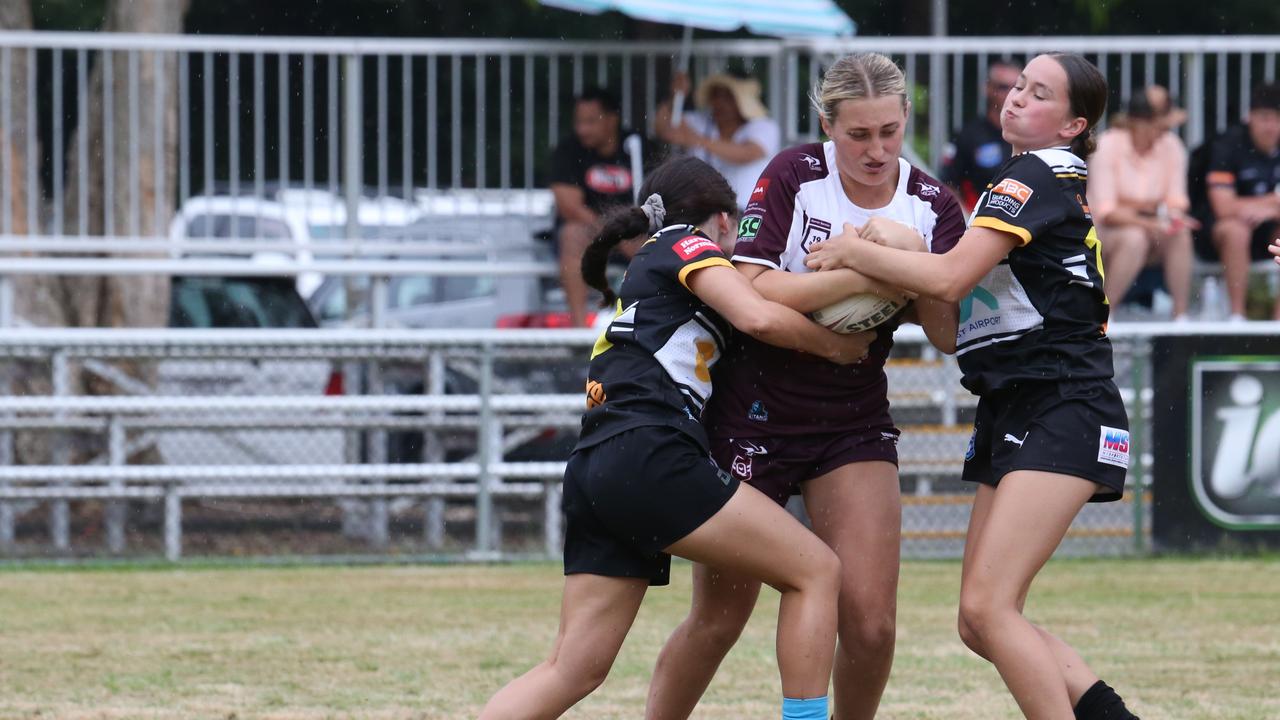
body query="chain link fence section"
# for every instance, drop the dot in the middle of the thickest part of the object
(413, 443)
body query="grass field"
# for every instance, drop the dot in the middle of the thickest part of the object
(1180, 638)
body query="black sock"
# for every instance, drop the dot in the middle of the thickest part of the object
(1100, 702)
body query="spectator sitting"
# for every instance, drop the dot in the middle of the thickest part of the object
(1138, 195)
(971, 159)
(590, 172)
(1242, 212)
(731, 131)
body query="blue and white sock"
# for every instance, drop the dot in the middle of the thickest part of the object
(809, 709)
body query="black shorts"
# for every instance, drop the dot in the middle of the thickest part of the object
(631, 496)
(1262, 237)
(776, 466)
(1072, 427)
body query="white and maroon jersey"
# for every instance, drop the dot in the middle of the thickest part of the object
(798, 201)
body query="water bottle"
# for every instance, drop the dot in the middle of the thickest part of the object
(1211, 300)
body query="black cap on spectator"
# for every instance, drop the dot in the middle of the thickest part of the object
(1265, 97)
(607, 101)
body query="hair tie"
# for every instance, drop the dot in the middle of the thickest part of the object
(655, 211)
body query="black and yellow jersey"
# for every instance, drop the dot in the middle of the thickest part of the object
(1041, 313)
(652, 365)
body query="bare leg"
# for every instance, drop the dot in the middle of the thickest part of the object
(1232, 240)
(857, 510)
(722, 605)
(574, 238)
(1124, 250)
(1023, 523)
(1177, 253)
(595, 615)
(752, 536)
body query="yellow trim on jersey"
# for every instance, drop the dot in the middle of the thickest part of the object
(1094, 243)
(1002, 226)
(1072, 176)
(602, 342)
(709, 262)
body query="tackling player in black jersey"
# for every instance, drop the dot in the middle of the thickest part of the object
(1051, 432)
(641, 485)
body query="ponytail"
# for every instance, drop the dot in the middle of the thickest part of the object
(621, 224)
(680, 191)
(1087, 95)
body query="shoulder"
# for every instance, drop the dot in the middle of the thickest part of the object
(926, 188)
(801, 164)
(1042, 168)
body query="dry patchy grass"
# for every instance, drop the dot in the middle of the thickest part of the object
(1180, 638)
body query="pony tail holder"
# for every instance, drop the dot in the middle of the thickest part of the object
(655, 211)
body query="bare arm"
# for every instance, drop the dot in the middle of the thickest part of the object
(807, 292)
(730, 151)
(948, 277)
(1227, 204)
(939, 320)
(571, 204)
(729, 293)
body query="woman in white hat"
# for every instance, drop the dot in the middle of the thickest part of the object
(731, 130)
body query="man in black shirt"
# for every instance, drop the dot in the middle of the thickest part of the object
(973, 156)
(1243, 182)
(590, 173)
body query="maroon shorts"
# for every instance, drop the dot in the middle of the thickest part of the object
(777, 465)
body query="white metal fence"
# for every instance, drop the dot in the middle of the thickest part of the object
(342, 117)
(473, 387)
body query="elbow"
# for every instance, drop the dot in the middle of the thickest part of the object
(952, 290)
(762, 326)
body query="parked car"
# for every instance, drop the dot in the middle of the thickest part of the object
(244, 302)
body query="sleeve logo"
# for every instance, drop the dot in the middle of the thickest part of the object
(749, 227)
(757, 194)
(1009, 196)
(693, 246)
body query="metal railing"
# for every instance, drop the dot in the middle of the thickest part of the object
(932, 410)
(391, 117)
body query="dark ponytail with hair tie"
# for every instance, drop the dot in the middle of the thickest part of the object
(689, 191)
(1087, 95)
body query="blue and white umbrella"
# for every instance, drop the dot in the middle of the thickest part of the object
(779, 18)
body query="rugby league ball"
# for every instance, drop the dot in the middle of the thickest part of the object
(856, 313)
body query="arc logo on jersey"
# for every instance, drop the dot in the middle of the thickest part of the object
(693, 246)
(1009, 196)
(815, 231)
(608, 179)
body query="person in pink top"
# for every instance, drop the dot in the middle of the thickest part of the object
(1138, 195)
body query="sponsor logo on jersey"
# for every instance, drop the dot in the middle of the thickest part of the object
(749, 227)
(973, 446)
(692, 246)
(1113, 446)
(815, 231)
(1010, 438)
(595, 394)
(757, 193)
(608, 179)
(1009, 196)
(814, 163)
(758, 412)
(925, 190)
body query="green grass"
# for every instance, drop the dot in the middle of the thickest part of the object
(1179, 638)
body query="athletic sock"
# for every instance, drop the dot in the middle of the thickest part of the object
(809, 709)
(1100, 702)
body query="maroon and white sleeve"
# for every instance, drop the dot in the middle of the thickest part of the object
(769, 217)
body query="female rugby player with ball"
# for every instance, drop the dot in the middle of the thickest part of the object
(1051, 432)
(641, 486)
(786, 422)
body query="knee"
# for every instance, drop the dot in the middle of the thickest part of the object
(869, 633)
(580, 679)
(969, 637)
(715, 630)
(978, 618)
(1232, 234)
